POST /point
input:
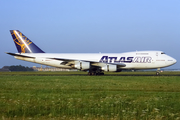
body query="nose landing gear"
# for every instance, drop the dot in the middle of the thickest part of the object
(158, 72)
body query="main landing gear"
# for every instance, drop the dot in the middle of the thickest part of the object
(158, 72)
(95, 73)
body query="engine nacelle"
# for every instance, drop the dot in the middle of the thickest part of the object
(82, 65)
(112, 68)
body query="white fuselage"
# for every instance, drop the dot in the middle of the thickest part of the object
(132, 60)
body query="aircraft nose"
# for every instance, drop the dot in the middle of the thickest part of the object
(172, 60)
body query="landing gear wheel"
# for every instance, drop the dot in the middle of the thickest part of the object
(89, 73)
(157, 73)
(102, 73)
(94, 73)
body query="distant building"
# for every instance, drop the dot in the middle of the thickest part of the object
(5, 69)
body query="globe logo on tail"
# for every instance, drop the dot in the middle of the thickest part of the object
(21, 40)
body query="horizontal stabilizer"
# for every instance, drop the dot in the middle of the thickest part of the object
(19, 55)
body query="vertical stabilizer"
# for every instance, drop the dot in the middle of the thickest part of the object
(23, 44)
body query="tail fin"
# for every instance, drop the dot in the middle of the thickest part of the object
(23, 44)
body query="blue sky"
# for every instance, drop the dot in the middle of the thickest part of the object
(91, 26)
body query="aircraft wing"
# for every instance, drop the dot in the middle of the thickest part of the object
(71, 61)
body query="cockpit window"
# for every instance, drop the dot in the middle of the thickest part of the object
(162, 53)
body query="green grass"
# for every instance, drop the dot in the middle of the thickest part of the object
(73, 95)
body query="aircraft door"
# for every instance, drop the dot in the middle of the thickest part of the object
(156, 54)
(154, 59)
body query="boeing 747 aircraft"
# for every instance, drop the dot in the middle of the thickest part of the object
(95, 64)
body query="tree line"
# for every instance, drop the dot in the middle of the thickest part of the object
(20, 68)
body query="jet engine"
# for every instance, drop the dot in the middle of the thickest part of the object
(82, 65)
(112, 68)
